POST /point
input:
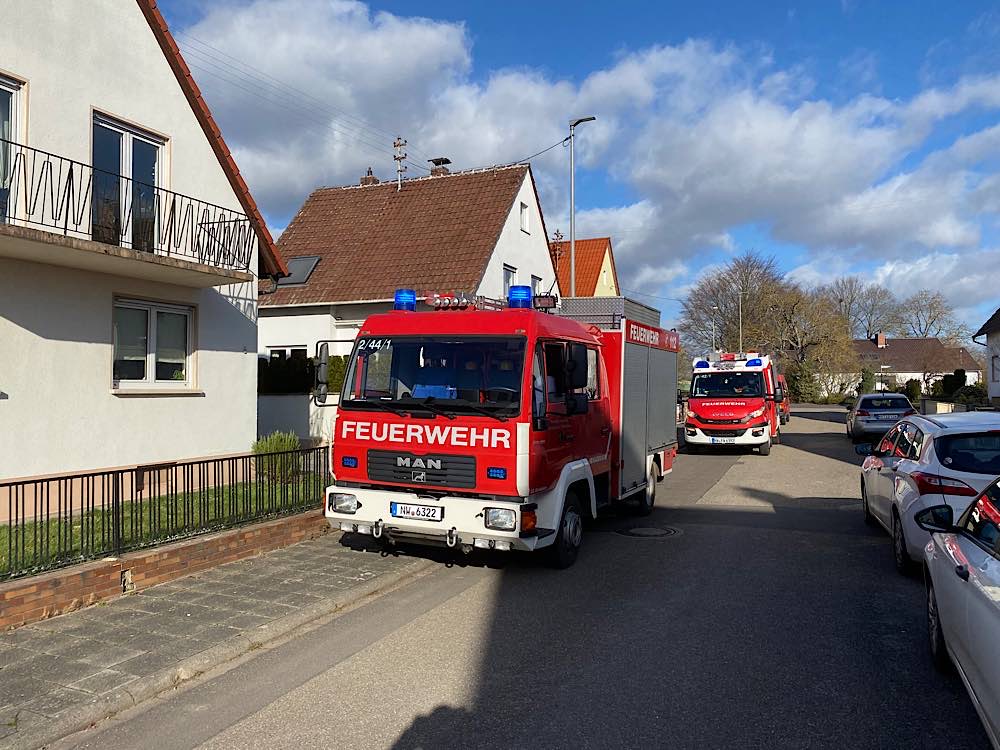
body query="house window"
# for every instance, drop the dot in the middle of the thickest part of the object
(536, 285)
(285, 353)
(152, 345)
(127, 172)
(995, 368)
(509, 279)
(524, 219)
(10, 96)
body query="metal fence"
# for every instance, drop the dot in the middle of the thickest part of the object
(63, 520)
(40, 189)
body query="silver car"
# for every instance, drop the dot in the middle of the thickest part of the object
(962, 573)
(874, 413)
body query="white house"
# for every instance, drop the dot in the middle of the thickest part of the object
(348, 248)
(991, 330)
(896, 360)
(129, 246)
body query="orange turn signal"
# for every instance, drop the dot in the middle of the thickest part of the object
(528, 520)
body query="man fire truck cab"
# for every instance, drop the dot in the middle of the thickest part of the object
(498, 429)
(735, 399)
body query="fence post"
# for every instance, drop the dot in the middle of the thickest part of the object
(117, 523)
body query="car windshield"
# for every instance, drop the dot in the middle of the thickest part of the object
(446, 373)
(977, 453)
(722, 384)
(891, 403)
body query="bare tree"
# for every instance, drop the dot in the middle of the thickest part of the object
(868, 308)
(929, 314)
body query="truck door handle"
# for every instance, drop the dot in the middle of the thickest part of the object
(962, 572)
(605, 431)
(567, 437)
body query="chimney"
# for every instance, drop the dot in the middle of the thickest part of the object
(440, 166)
(880, 340)
(369, 179)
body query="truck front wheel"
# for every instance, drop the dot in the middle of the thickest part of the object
(765, 448)
(566, 548)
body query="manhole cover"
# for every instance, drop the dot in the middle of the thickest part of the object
(649, 532)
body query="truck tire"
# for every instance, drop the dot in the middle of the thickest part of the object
(765, 448)
(565, 549)
(647, 499)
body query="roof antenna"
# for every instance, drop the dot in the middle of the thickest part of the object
(398, 158)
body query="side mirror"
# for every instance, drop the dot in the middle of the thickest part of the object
(940, 518)
(864, 449)
(779, 393)
(577, 403)
(322, 385)
(576, 367)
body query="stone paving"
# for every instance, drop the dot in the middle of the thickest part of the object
(52, 666)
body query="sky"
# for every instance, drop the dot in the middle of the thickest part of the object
(841, 137)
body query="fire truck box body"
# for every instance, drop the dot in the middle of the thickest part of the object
(467, 427)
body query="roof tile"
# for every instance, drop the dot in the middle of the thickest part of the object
(589, 259)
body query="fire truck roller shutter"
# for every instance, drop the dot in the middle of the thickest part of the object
(661, 387)
(634, 416)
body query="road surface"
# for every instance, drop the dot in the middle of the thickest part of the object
(771, 617)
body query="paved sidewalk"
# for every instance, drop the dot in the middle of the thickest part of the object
(77, 668)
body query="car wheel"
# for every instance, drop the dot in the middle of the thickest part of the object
(902, 558)
(869, 518)
(765, 448)
(935, 635)
(566, 548)
(647, 499)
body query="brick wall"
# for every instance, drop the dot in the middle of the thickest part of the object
(39, 597)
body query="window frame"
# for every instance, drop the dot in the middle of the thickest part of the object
(593, 358)
(507, 268)
(286, 352)
(15, 88)
(557, 406)
(963, 522)
(536, 285)
(525, 218)
(894, 432)
(150, 382)
(995, 368)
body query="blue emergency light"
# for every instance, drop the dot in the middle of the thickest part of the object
(700, 364)
(405, 299)
(519, 297)
(755, 363)
(349, 462)
(496, 472)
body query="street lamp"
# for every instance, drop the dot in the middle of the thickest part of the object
(572, 202)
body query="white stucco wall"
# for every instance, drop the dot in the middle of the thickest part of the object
(297, 413)
(528, 252)
(284, 327)
(57, 409)
(606, 279)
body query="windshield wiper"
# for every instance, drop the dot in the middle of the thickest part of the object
(428, 404)
(380, 404)
(465, 403)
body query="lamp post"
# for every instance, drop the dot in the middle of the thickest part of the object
(572, 202)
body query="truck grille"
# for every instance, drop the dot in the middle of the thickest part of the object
(722, 421)
(724, 433)
(440, 469)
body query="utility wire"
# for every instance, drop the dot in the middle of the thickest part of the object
(529, 158)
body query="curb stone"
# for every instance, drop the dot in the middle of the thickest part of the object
(144, 688)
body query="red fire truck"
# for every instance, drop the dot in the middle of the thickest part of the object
(500, 429)
(735, 399)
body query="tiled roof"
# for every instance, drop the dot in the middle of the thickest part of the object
(990, 326)
(589, 259)
(915, 355)
(269, 262)
(436, 234)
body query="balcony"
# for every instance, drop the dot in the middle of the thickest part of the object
(62, 212)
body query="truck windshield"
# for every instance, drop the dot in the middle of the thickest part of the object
(453, 374)
(722, 384)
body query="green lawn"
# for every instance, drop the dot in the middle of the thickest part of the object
(41, 544)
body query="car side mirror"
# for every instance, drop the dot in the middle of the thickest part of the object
(577, 403)
(779, 393)
(937, 518)
(322, 385)
(865, 449)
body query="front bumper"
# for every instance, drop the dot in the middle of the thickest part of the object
(463, 522)
(756, 434)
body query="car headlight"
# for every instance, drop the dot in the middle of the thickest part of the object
(343, 503)
(758, 413)
(501, 519)
(688, 414)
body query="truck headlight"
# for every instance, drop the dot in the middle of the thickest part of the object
(688, 414)
(758, 413)
(501, 519)
(343, 503)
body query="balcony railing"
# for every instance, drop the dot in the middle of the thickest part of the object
(39, 189)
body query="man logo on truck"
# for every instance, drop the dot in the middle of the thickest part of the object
(418, 463)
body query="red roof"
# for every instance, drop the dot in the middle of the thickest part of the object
(436, 234)
(589, 261)
(915, 355)
(270, 262)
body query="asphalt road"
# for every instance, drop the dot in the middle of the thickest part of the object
(773, 618)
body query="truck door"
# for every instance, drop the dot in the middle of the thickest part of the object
(594, 428)
(551, 435)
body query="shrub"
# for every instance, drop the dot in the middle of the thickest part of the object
(912, 390)
(336, 372)
(971, 395)
(802, 385)
(283, 468)
(867, 384)
(950, 384)
(281, 376)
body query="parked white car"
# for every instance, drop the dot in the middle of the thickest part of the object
(963, 598)
(924, 461)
